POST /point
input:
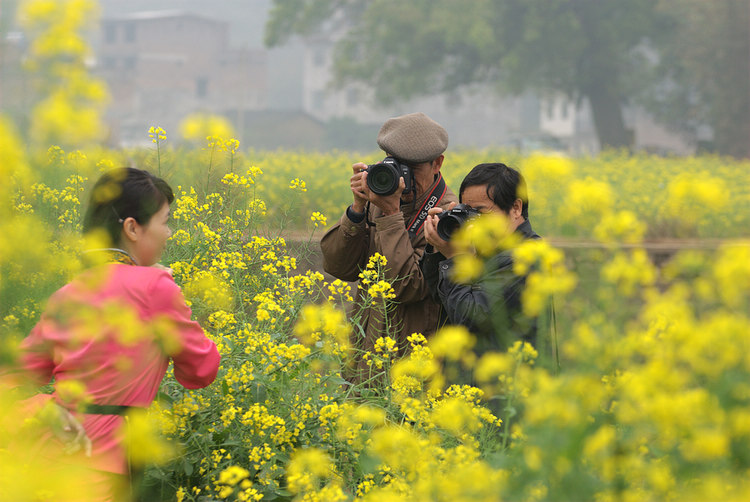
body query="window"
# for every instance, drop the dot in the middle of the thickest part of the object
(201, 87)
(110, 33)
(130, 32)
(319, 57)
(318, 99)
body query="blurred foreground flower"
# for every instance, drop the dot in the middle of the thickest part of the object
(689, 195)
(453, 343)
(199, 126)
(71, 106)
(325, 326)
(142, 436)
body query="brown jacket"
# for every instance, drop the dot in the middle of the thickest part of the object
(347, 247)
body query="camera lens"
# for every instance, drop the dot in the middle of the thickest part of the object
(450, 221)
(447, 225)
(382, 179)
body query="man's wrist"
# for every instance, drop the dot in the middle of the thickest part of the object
(354, 215)
(358, 207)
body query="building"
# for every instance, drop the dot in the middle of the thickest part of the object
(571, 123)
(16, 90)
(162, 66)
(474, 116)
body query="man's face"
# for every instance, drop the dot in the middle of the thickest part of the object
(476, 197)
(424, 176)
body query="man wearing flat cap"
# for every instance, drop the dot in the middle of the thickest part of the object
(392, 225)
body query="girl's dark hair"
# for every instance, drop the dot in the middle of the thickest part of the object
(504, 185)
(123, 193)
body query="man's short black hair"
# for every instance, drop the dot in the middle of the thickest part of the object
(504, 185)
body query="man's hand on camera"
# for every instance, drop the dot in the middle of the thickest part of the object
(389, 204)
(358, 184)
(431, 234)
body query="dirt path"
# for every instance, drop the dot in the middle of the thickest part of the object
(309, 257)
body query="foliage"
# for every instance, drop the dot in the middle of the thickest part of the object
(281, 421)
(583, 49)
(685, 61)
(702, 69)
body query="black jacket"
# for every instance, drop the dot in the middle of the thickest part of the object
(491, 306)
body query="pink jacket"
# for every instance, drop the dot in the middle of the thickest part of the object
(114, 329)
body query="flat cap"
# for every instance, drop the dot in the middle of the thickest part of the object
(414, 137)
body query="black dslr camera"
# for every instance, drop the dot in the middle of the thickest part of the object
(382, 178)
(449, 221)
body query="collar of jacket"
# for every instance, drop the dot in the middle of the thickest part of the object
(526, 231)
(409, 208)
(108, 255)
(505, 257)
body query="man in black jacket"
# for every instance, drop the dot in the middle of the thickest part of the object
(490, 307)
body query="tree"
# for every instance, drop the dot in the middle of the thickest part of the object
(582, 48)
(702, 73)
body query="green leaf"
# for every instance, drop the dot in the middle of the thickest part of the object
(187, 467)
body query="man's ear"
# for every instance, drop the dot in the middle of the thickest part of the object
(130, 229)
(517, 209)
(437, 164)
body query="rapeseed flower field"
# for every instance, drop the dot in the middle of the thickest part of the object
(639, 392)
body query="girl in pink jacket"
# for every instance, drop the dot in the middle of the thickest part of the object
(113, 330)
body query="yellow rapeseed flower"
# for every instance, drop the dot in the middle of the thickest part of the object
(307, 470)
(209, 289)
(318, 219)
(397, 447)
(731, 272)
(452, 342)
(144, 443)
(620, 227)
(688, 196)
(298, 184)
(629, 271)
(456, 416)
(467, 268)
(199, 126)
(156, 134)
(586, 202)
(381, 290)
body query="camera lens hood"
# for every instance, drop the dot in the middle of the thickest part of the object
(451, 220)
(383, 178)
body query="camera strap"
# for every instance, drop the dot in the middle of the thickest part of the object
(432, 200)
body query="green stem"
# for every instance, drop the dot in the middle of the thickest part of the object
(210, 166)
(158, 157)
(509, 407)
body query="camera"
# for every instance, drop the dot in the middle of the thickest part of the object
(383, 177)
(449, 221)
